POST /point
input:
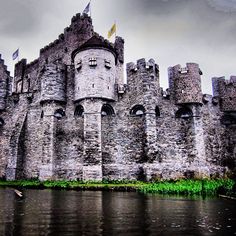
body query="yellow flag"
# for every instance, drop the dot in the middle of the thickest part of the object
(112, 30)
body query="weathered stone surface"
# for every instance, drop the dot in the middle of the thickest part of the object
(70, 115)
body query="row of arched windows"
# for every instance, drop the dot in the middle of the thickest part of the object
(137, 110)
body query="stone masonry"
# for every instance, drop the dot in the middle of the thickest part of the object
(70, 115)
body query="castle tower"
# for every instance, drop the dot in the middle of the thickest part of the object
(53, 96)
(185, 84)
(19, 75)
(4, 84)
(95, 70)
(185, 91)
(143, 82)
(119, 48)
(225, 90)
(95, 78)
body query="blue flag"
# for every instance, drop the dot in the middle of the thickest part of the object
(87, 9)
(15, 54)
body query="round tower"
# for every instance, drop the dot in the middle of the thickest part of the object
(53, 82)
(95, 70)
(185, 83)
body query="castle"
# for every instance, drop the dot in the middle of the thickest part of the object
(69, 115)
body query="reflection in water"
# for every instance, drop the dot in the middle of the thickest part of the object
(53, 212)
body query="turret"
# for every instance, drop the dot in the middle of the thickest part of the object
(143, 81)
(119, 48)
(225, 90)
(53, 85)
(19, 75)
(4, 84)
(95, 70)
(185, 83)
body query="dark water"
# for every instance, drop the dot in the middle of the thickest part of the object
(53, 212)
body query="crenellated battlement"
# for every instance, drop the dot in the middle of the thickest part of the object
(142, 66)
(2, 63)
(185, 83)
(225, 90)
(79, 31)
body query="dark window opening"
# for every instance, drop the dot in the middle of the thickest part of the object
(79, 111)
(137, 110)
(1, 122)
(107, 110)
(157, 112)
(228, 119)
(189, 174)
(59, 113)
(184, 113)
(42, 115)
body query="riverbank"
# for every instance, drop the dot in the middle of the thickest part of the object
(187, 187)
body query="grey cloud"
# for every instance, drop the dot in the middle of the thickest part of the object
(16, 18)
(170, 31)
(223, 5)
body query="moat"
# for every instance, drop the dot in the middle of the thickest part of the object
(55, 212)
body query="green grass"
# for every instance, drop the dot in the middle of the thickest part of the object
(186, 187)
(190, 187)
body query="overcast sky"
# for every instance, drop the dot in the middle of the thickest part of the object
(169, 31)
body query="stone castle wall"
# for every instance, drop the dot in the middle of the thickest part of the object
(71, 116)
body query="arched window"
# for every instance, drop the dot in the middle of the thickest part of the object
(228, 119)
(157, 111)
(79, 111)
(59, 113)
(184, 112)
(1, 122)
(137, 110)
(107, 110)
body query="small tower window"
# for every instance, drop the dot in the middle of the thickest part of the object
(107, 110)
(107, 63)
(157, 111)
(42, 115)
(59, 113)
(93, 61)
(79, 65)
(79, 111)
(184, 113)
(137, 110)
(1, 122)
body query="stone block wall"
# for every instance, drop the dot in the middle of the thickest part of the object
(51, 130)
